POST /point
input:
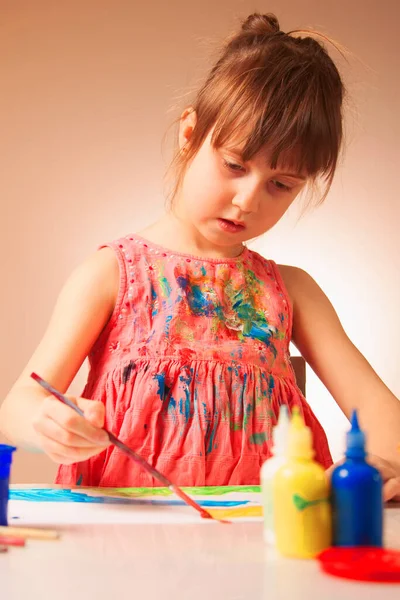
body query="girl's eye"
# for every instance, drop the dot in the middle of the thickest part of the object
(233, 166)
(281, 186)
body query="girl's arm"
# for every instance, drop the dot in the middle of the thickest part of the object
(82, 310)
(322, 341)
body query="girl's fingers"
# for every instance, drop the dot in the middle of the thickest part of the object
(69, 420)
(48, 428)
(384, 467)
(94, 411)
(61, 460)
(391, 490)
(65, 454)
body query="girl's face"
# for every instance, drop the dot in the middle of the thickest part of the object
(228, 201)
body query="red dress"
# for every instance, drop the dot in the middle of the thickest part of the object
(192, 369)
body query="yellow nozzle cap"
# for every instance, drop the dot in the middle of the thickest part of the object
(300, 442)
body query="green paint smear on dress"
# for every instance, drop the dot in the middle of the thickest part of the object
(194, 491)
(258, 438)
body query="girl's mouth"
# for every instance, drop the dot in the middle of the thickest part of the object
(231, 226)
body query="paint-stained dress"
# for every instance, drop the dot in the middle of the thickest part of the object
(192, 368)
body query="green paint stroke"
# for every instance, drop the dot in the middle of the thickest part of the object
(194, 491)
(258, 438)
(165, 286)
(301, 503)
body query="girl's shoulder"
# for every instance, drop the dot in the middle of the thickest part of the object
(294, 278)
(100, 268)
(291, 275)
(301, 288)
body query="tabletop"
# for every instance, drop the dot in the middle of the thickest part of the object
(142, 544)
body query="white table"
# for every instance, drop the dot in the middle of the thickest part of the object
(102, 556)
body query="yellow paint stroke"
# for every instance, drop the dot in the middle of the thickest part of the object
(236, 513)
(218, 513)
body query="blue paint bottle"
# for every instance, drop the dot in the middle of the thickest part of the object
(357, 496)
(5, 467)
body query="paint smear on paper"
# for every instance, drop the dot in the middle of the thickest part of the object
(193, 491)
(236, 513)
(67, 495)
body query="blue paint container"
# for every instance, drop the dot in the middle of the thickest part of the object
(6, 453)
(357, 496)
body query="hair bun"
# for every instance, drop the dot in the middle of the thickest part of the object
(261, 24)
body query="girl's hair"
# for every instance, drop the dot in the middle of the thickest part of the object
(274, 90)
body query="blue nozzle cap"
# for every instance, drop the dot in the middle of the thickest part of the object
(355, 447)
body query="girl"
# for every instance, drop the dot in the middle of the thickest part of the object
(188, 331)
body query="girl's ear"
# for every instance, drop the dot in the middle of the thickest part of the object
(186, 126)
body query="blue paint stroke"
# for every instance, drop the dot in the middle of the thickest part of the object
(184, 404)
(271, 385)
(199, 303)
(163, 389)
(154, 298)
(259, 332)
(211, 437)
(160, 378)
(67, 495)
(167, 324)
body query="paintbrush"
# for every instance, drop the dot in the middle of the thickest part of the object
(128, 451)
(26, 532)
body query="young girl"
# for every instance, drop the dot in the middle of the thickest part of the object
(187, 331)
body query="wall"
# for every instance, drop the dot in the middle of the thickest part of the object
(85, 98)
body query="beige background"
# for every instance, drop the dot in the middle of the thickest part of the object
(85, 90)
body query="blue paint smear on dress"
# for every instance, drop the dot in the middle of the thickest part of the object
(154, 299)
(259, 333)
(160, 378)
(209, 447)
(271, 385)
(167, 324)
(198, 302)
(184, 403)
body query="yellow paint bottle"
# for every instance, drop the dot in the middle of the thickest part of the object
(302, 511)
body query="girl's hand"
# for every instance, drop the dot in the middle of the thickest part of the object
(389, 473)
(65, 436)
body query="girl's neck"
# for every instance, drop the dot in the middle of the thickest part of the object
(174, 234)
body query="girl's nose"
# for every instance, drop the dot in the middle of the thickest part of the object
(247, 198)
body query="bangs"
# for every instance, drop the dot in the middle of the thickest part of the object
(274, 93)
(288, 114)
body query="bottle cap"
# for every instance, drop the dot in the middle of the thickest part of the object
(362, 564)
(6, 453)
(281, 431)
(300, 443)
(355, 439)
